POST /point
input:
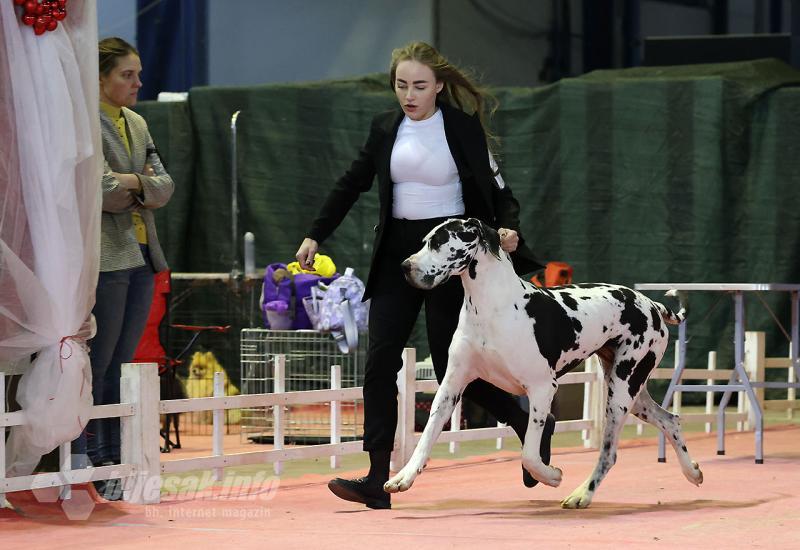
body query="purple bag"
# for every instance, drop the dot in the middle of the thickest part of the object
(281, 285)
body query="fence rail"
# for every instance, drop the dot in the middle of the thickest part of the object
(141, 407)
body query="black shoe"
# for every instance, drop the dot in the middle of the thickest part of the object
(544, 450)
(109, 489)
(363, 490)
(112, 490)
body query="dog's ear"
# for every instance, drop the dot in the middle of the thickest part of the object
(489, 238)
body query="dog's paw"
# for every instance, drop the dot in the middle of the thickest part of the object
(545, 474)
(400, 482)
(694, 474)
(580, 498)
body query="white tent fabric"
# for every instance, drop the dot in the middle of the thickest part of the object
(50, 200)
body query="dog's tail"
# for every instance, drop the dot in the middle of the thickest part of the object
(669, 316)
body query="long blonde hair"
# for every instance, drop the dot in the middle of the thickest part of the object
(459, 90)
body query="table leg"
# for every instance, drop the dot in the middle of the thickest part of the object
(738, 298)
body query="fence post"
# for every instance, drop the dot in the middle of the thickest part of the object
(217, 424)
(593, 403)
(406, 397)
(754, 360)
(140, 436)
(455, 425)
(712, 366)
(336, 412)
(277, 411)
(499, 442)
(65, 465)
(2, 437)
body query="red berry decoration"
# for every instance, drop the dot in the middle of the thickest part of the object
(42, 15)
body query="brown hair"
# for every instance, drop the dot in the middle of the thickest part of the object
(459, 90)
(111, 50)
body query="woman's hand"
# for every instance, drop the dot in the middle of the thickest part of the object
(128, 181)
(509, 239)
(306, 252)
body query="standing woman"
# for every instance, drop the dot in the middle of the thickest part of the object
(134, 183)
(433, 163)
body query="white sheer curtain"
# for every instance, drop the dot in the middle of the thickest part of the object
(50, 170)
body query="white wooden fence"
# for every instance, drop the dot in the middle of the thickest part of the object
(139, 413)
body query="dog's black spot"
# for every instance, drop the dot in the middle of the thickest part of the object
(624, 410)
(568, 367)
(439, 238)
(607, 446)
(656, 316)
(605, 328)
(675, 437)
(683, 448)
(472, 272)
(555, 331)
(569, 301)
(586, 297)
(644, 416)
(624, 368)
(631, 315)
(458, 256)
(466, 236)
(641, 372)
(427, 280)
(591, 485)
(470, 299)
(516, 307)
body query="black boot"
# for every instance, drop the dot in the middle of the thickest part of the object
(369, 489)
(544, 450)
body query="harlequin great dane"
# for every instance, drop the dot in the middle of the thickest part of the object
(521, 338)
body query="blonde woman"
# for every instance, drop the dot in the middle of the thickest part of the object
(134, 183)
(432, 163)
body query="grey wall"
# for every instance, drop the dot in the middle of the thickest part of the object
(117, 18)
(269, 41)
(266, 41)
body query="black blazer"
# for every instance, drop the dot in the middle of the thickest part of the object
(482, 197)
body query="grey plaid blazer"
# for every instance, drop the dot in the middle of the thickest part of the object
(118, 246)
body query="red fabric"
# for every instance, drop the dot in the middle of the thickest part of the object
(150, 349)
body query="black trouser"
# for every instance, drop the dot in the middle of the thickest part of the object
(393, 312)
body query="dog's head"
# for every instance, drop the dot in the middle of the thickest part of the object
(449, 249)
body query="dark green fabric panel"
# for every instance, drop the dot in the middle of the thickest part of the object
(294, 141)
(662, 174)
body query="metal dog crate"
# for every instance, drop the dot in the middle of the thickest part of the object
(309, 356)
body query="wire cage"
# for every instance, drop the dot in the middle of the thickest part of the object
(309, 356)
(210, 299)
